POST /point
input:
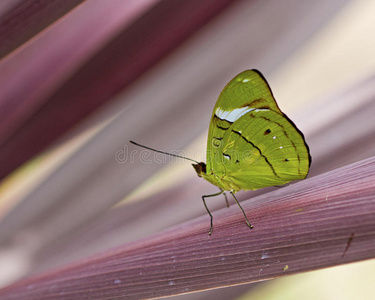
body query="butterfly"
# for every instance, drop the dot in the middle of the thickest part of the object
(251, 143)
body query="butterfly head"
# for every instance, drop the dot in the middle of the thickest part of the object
(200, 168)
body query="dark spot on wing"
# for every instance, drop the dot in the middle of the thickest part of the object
(253, 103)
(257, 103)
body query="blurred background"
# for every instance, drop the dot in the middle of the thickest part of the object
(79, 79)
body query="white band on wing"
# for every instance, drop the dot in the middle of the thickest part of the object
(235, 114)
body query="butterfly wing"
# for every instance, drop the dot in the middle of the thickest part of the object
(251, 143)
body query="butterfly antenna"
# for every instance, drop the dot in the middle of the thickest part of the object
(166, 153)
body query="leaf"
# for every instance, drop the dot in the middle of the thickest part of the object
(66, 74)
(322, 221)
(22, 20)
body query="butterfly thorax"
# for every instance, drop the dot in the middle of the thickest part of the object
(221, 181)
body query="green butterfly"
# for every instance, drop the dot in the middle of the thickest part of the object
(251, 143)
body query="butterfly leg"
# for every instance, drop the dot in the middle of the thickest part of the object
(247, 221)
(205, 205)
(226, 199)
